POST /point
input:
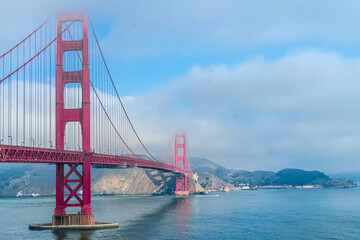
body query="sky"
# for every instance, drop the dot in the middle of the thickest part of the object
(256, 85)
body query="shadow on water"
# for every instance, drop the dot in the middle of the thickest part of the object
(146, 226)
(72, 234)
(153, 223)
(182, 215)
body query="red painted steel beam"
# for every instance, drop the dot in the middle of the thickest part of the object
(21, 154)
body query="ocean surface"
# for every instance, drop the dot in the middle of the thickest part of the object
(263, 214)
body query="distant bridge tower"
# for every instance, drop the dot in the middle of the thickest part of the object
(81, 115)
(181, 157)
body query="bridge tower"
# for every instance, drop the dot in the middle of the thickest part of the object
(180, 157)
(81, 115)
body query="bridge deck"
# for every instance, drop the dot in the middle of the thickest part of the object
(20, 154)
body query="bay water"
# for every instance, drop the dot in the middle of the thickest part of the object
(262, 214)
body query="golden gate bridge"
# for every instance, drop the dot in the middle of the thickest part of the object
(59, 105)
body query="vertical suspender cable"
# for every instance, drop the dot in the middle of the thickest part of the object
(3, 104)
(17, 96)
(36, 93)
(50, 84)
(9, 103)
(45, 97)
(44, 92)
(30, 95)
(24, 107)
(39, 94)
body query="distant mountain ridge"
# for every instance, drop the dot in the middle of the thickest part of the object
(213, 176)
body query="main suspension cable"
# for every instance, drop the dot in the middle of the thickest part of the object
(117, 94)
(25, 38)
(102, 105)
(9, 75)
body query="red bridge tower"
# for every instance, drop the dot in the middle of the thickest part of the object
(81, 115)
(180, 156)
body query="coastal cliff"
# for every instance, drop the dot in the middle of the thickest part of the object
(137, 181)
(34, 180)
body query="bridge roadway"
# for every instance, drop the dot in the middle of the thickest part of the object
(20, 154)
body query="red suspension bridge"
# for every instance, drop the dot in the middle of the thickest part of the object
(59, 105)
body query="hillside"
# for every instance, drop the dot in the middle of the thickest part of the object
(212, 176)
(28, 179)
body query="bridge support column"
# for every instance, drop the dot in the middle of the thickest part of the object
(60, 206)
(81, 115)
(86, 206)
(180, 157)
(73, 181)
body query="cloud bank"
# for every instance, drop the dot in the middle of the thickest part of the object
(301, 110)
(148, 29)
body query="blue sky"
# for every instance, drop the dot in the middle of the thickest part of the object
(255, 84)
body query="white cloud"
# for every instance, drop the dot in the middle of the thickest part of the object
(152, 28)
(298, 111)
